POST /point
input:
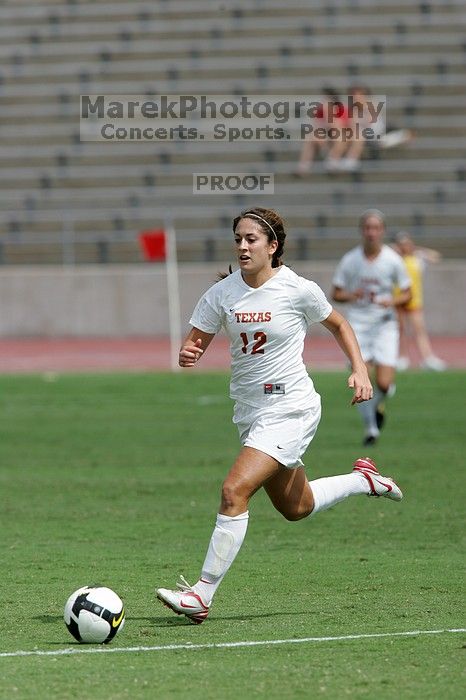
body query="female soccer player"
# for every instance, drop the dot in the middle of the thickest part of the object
(365, 279)
(266, 310)
(412, 313)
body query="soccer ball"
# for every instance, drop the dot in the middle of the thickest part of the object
(94, 614)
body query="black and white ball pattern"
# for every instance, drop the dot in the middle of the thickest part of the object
(94, 614)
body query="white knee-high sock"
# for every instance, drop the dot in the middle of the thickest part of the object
(225, 543)
(367, 411)
(379, 395)
(331, 490)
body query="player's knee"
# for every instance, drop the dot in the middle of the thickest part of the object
(232, 496)
(293, 516)
(384, 386)
(303, 510)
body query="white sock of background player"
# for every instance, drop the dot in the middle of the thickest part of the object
(367, 410)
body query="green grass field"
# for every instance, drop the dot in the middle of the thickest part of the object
(115, 479)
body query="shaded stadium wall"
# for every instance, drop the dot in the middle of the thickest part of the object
(132, 300)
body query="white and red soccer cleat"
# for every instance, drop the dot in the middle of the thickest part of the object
(379, 485)
(184, 602)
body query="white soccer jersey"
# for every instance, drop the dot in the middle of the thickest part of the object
(266, 327)
(377, 278)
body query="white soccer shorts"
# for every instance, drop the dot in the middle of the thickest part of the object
(284, 435)
(379, 343)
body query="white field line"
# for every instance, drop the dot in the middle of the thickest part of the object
(221, 645)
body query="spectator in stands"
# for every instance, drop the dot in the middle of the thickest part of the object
(387, 137)
(411, 314)
(332, 149)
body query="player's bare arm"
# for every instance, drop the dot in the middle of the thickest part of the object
(402, 298)
(193, 347)
(343, 296)
(359, 379)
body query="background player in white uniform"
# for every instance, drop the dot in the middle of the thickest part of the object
(366, 279)
(266, 310)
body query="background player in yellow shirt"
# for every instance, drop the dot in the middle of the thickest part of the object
(411, 315)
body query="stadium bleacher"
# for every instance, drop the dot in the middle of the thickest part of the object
(63, 200)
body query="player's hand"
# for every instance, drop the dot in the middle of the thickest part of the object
(385, 303)
(362, 388)
(358, 294)
(190, 353)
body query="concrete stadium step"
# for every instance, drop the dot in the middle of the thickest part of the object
(48, 11)
(166, 158)
(324, 217)
(264, 22)
(82, 51)
(65, 99)
(402, 83)
(109, 251)
(212, 66)
(172, 187)
(422, 107)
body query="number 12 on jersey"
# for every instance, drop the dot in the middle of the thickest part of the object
(257, 348)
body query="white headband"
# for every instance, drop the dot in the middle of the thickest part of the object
(250, 213)
(372, 212)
